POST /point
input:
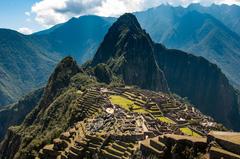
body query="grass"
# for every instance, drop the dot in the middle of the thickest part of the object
(189, 132)
(126, 104)
(166, 120)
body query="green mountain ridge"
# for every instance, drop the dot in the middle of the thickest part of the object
(78, 37)
(24, 65)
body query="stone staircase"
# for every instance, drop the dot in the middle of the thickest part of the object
(117, 150)
(153, 146)
(90, 103)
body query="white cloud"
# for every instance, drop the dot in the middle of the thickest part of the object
(27, 13)
(51, 12)
(25, 30)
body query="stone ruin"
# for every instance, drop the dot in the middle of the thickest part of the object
(124, 133)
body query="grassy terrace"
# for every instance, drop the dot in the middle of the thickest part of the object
(166, 120)
(129, 104)
(189, 132)
(126, 104)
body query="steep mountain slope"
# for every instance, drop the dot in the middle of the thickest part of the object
(204, 36)
(227, 14)
(48, 118)
(24, 65)
(79, 37)
(192, 81)
(15, 113)
(202, 82)
(129, 52)
(197, 33)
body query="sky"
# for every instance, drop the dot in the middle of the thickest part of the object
(28, 16)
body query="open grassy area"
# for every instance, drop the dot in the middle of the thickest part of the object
(189, 132)
(126, 104)
(166, 120)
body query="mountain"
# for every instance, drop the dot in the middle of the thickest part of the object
(27, 60)
(198, 33)
(227, 14)
(205, 36)
(79, 37)
(166, 24)
(135, 56)
(51, 115)
(126, 46)
(24, 65)
(175, 27)
(202, 82)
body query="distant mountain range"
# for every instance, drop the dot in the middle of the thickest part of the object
(24, 65)
(26, 61)
(209, 35)
(79, 37)
(210, 32)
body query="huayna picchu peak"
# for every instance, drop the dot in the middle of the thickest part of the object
(128, 103)
(129, 52)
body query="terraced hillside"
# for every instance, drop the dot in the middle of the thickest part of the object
(78, 117)
(131, 123)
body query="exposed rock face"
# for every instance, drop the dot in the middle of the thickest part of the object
(202, 82)
(129, 51)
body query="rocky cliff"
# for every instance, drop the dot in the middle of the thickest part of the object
(202, 82)
(128, 50)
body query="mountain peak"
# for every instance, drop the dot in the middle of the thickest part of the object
(128, 20)
(122, 33)
(129, 51)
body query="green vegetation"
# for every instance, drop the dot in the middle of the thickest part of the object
(189, 132)
(126, 104)
(14, 114)
(103, 73)
(166, 120)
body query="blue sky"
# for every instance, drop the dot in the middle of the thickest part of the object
(12, 14)
(29, 16)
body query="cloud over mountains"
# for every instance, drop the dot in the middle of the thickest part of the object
(51, 12)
